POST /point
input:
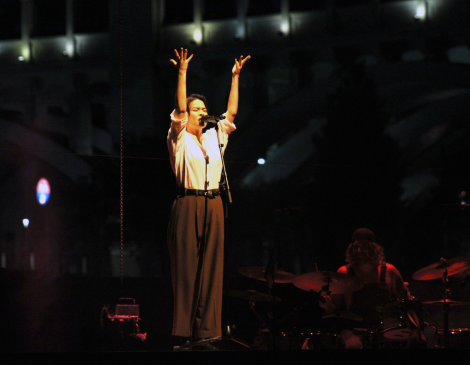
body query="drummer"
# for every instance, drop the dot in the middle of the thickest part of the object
(378, 283)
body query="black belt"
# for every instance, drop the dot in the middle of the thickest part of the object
(209, 193)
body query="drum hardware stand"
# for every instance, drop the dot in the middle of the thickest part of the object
(424, 324)
(296, 309)
(446, 306)
(269, 276)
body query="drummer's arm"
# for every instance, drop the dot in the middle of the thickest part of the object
(332, 302)
(399, 289)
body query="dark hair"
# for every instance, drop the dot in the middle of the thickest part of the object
(193, 97)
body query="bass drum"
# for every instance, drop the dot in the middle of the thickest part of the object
(400, 321)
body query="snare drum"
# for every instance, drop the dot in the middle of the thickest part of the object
(399, 322)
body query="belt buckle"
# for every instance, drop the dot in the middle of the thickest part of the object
(209, 194)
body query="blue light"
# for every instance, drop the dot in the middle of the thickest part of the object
(43, 191)
(42, 198)
(261, 161)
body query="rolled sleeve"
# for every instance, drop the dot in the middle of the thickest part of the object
(225, 126)
(175, 133)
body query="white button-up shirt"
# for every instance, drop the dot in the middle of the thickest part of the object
(188, 156)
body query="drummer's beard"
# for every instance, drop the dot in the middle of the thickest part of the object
(362, 258)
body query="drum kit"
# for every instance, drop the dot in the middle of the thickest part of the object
(401, 322)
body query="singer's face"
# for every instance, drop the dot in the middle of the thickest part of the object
(197, 109)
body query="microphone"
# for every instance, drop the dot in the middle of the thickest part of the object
(211, 119)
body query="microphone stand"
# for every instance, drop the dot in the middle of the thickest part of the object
(223, 184)
(227, 199)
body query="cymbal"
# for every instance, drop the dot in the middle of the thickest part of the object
(288, 210)
(457, 206)
(436, 270)
(448, 301)
(462, 274)
(251, 295)
(345, 315)
(259, 273)
(317, 280)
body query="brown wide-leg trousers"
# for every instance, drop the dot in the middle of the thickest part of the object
(196, 245)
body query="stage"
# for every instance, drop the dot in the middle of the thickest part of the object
(44, 314)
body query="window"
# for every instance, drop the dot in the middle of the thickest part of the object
(302, 5)
(177, 12)
(48, 18)
(341, 3)
(263, 7)
(216, 9)
(10, 13)
(90, 16)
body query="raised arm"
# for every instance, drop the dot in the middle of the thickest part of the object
(181, 64)
(232, 106)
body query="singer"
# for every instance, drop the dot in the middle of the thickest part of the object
(196, 227)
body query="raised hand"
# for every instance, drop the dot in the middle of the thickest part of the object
(238, 65)
(182, 59)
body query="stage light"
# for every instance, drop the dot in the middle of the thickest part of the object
(261, 161)
(285, 28)
(421, 12)
(69, 50)
(25, 53)
(43, 191)
(26, 222)
(198, 36)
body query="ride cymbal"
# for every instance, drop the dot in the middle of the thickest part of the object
(436, 270)
(448, 301)
(259, 273)
(251, 295)
(316, 281)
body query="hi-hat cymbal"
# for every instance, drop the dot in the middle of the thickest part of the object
(259, 273)
(338, 282)
(448, 301)
(436, 270)
(251, 295)
(344, 315)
